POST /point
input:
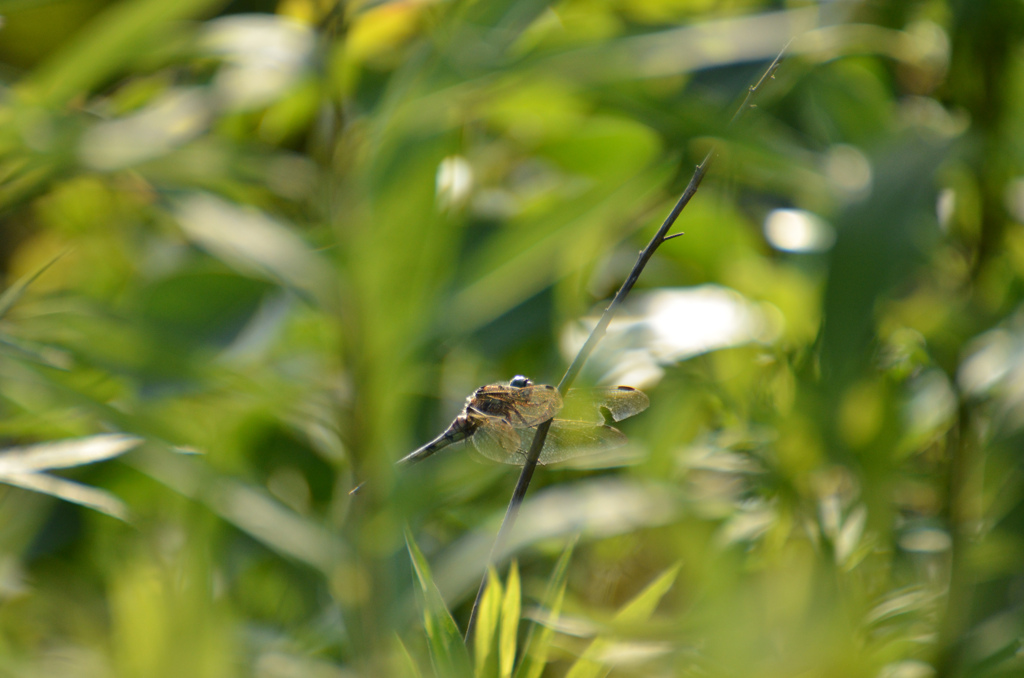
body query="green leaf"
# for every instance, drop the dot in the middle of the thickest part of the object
(70, 491)
(995, 663)
(112, 40)
(22, 466)
(410, 666)
(33, 352)
(510, 608)
(643, 605)
(13, 293)
(65, 453)
(528, 255)
(253, 243)
(447, 650)
(248, 507)
(487, 623)
(538, 641)
(640, 609)
(604, 147)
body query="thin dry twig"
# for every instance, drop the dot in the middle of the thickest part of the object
(598, 333)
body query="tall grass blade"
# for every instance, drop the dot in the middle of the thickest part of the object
(76, 493)
(538, 641)
(484, 656)
(13, 293)
(65, 453)
(509, 628)
(639, 609)
(449, 654)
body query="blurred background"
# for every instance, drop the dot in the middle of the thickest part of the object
(277, 243)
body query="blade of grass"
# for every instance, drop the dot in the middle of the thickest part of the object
(13, 293)
(538, 641)
(105, 45)
(248, 507)
(40, 354)
(490, 611)
(510, 610)
(447, 649)
(412, 669)
(70, 491)
(637, 610)
(65, 453)
(21, 466)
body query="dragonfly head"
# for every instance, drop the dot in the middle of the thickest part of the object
(519, 381)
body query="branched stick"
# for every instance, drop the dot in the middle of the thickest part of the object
(598, 333)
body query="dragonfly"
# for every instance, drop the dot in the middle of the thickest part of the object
(500, 420)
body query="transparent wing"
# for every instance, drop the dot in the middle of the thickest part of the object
(566, 440)
(521, 407)
(535, 405)
(621, 402)
(496, 439)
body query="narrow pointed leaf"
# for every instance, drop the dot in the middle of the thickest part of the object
(76, 493)
(412, 669)
(449, 654)
(122, 33)
(487, 626)
(639, 609)
(65, 453)
(250, 508)
(13, 293)
(252, 242)
(538, 642)
(644, 603)
(510, 609)
(36, 353)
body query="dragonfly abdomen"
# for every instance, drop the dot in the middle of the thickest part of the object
(458, 431)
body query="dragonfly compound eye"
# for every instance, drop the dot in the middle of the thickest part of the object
(519, 381)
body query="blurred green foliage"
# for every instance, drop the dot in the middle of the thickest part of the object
(285, 240)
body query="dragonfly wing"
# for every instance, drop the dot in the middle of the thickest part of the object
(569, 439)
(545, 403)
(621, 402)
(520, 406)
(496, 439)
(533, 405)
